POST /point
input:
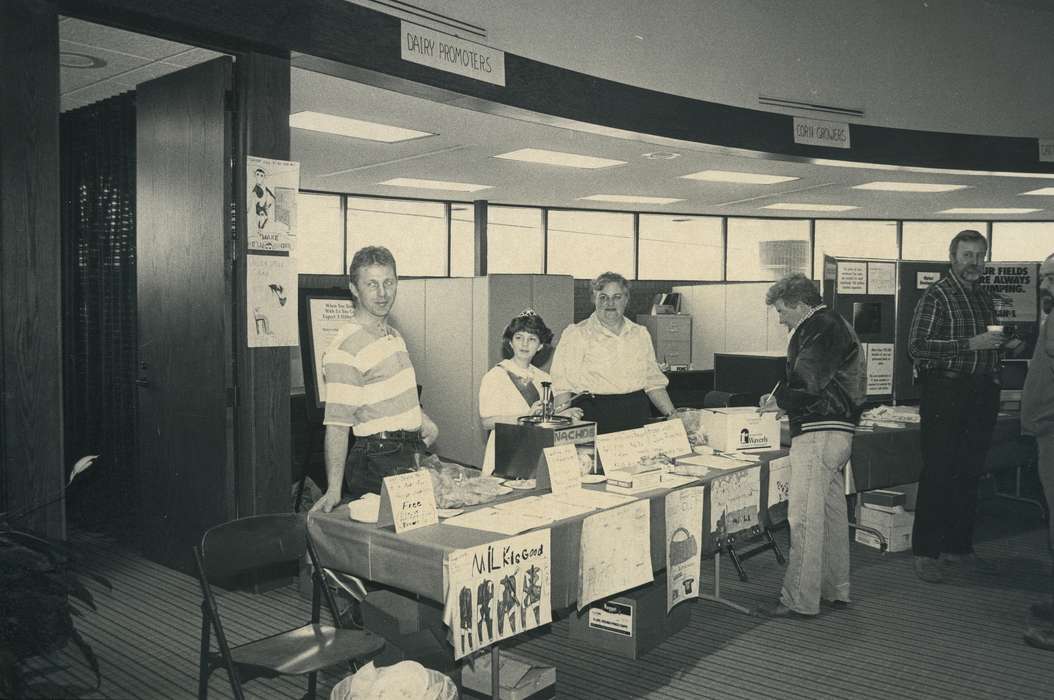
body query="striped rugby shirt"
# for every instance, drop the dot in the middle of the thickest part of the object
(370, 383)
(946, 317)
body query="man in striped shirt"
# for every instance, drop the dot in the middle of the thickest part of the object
(957, 361)
(371, 387)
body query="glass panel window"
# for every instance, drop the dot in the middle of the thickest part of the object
(1022, 241)
(515, 240)
(415, 232)
(680, 247)
(928, 240)
(767, 249)
(585, 243)
(854, 239)
(462, 240)
(319, 248)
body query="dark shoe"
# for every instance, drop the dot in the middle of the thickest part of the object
(1041, 638)
(1044, 612)
(971, 563)
(927, 569)
(778, 610)
(836, 604)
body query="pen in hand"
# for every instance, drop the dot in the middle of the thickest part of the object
(771, 395)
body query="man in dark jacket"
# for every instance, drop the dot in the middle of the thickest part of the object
(822, 394)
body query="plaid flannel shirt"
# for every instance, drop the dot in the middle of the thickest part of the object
(946, 317)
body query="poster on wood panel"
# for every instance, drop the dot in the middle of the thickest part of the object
(271, 203)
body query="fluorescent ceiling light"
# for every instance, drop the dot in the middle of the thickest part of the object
(435, 184)
(355, 128)
(989, 210)
(1044, 191)
(908, 187)
(739, 177)
(629, 199)
(791, 206)
(567, 160)
(915, 169)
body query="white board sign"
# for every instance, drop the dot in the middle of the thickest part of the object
(326, 317)
(408, 502)
(816, 132)
(881, 278)
(452, 54)
(925, 279)
(879, 368)
(852, 277)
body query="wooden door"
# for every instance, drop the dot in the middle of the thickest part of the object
(183, 208)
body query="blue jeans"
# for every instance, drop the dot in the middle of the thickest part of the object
(1045, 446)
(816, 511)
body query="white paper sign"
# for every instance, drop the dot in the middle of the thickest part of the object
(327, 317)
(852, 277)
(684, 533)
(562, 467)
(816, 132)
(452, 54)
(498, 590)
(407, 500)
(615, 552)
(271, 202)
(734, 501)
(271, 301)
(630, 450)
(779, 481)
(1046, 150)
(925, 279)
(881, 278)
(668, 439)
(879, 368)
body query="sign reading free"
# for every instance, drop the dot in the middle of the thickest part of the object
(816, 132)
(452, 54)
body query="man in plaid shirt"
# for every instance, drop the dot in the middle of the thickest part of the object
(957, 360)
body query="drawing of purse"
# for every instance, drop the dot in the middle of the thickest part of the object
(682, 546)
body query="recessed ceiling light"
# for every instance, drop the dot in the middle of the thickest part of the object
(355, 128)
(793, 206)
(70, 59)
(908, 187)
(567, 160)
(989, 210)
(740, 177)
(435, 184)
(915, 169)
(1044, 191)
(629, 199)
(661, 155)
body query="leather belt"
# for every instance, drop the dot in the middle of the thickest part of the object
(394, 435)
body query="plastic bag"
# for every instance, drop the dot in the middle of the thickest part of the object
(406, 680)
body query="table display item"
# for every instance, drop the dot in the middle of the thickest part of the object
(365, 509)
(518, 448)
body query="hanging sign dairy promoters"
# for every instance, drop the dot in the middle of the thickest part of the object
(452, 54)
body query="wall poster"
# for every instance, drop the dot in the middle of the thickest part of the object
(271, 203)
(271, 301)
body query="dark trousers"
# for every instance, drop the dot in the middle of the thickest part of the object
(615, 412)
(371, 459)
(958, 415)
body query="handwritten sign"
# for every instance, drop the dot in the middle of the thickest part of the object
(614, 552)
(669, 439)
(562, 471)
(452, 54)
(407, 501)
(817, 132)
(498, 590)
(881, 278)
(626, 450)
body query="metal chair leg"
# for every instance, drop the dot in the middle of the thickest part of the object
(203, 660)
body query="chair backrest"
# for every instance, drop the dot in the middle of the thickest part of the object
(251, 543)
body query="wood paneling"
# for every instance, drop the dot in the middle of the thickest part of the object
(185, 335)
(31, 432)
(263, 454)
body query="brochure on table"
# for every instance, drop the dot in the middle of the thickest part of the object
(684, 533)
(498, 590)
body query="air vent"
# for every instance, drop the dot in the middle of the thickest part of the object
(427, 18)
(810, 106)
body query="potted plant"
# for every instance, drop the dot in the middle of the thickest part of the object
(40, 593)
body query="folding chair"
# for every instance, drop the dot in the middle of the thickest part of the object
(248, 544)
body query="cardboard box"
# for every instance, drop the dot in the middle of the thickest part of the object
(520, 678)
(741, 428)
(894, 526)
(625, 482)
(883, 499)
(630, 624)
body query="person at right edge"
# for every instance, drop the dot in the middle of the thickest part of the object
(957, 363)
(1037, 418)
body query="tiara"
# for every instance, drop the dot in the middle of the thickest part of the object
(526, 313)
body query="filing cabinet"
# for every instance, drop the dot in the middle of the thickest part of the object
(671, 336)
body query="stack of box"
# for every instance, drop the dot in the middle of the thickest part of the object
(884, 511)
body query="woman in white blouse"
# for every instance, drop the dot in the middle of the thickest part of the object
(513, 387)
